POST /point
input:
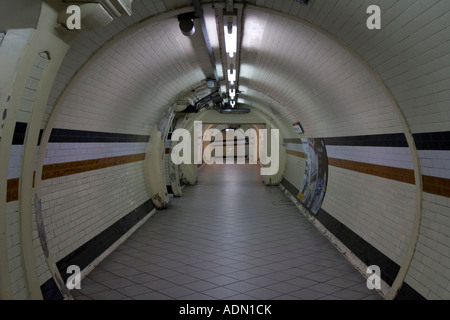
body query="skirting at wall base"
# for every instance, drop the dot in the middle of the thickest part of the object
(116, 244)
(359, 252)
(97, 249)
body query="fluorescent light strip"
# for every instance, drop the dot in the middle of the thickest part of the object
(232, 76)
(230, 31)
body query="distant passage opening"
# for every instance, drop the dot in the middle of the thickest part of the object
(231, 143)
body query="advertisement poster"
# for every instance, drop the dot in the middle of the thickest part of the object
(312, 191)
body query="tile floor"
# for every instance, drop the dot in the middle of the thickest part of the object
(228, 238)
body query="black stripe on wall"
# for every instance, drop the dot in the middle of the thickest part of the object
(50, 290)
(432, 141)
(66, 136)
(382, 140)
(360, 247)
(19, 134)
(88, 252)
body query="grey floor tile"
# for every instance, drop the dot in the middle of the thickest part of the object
(92, 288)
(200, 285)
(350, 294)
(104, 276)
(286, 297)
(344, 283)
(152, 296)
(306, 294)
(177, 292)
(220, 293)
(159, 284)
(222, 280)
(134, 290)
(118, 283)
(302, 282)
(242, 286)
(263, 293)
(107, 295)
(242, 296)
(262, 281)
(319, 277)
(198, 296)
(283, 287)
(257, 246)
(325, 288)
(142, 278)
(126, 272)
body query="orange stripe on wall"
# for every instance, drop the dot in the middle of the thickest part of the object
(433, 185)
(437, 186)
(51, 171)
(56, 170)
(12, 190)
(398, 174)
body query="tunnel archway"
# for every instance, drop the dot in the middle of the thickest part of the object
(295, 67)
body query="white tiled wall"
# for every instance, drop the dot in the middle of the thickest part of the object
(166, 168)
(14, 169)
(379, 210)
(435, 163)
(31, 87)
(295, 170)
(78, 207)
(430, 269)
(15, 161)
(14, 250)
(88, 43)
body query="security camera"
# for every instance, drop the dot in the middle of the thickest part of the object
(186, 21)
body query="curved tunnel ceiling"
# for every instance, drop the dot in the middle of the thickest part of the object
(314, 80)
(146, 68)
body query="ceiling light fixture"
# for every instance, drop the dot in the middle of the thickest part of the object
(232, 93)
(230, 31)
(232, 76)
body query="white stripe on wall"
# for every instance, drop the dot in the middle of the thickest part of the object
(435, 163)
(384, 156)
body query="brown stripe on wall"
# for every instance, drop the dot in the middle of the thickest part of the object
(437, 186)
(12, 190)
(296, 153)
(433, 185)
(398, 174)
(56, 170)
(51, 171)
